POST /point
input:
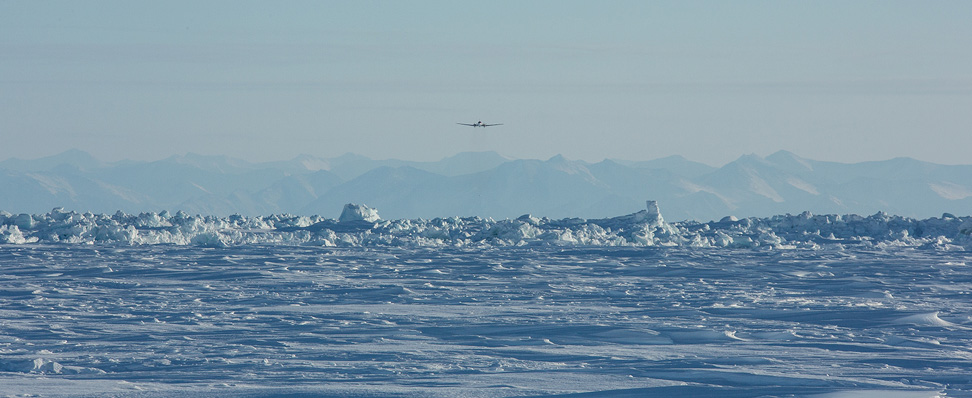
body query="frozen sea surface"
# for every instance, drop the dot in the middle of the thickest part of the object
(264, 320)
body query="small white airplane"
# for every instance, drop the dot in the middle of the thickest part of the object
(480, 124)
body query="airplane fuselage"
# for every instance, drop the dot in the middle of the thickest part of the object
(480, 124)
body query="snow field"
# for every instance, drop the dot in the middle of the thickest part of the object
(490, 321)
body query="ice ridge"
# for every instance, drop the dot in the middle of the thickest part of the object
(360, 225)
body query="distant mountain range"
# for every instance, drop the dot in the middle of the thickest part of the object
(485, 184)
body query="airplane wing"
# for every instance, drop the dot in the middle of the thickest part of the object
(497, 124)
(467, 124)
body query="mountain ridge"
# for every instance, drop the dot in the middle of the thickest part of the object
(486, 184)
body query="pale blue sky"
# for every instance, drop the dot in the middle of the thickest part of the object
(829, 80)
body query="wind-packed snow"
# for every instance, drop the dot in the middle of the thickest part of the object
(360, 225)
(161, 304)
(491, 321)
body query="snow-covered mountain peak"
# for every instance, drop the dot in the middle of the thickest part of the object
(312, 163)
(790, 162)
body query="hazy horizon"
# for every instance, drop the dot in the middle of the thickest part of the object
(488, 184)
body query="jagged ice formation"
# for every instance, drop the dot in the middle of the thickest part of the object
(360, 225)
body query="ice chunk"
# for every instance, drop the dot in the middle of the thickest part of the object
(354, 212)
(654, 215)
(36, 365)
(11, 234)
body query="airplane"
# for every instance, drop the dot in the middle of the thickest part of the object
(480, 124)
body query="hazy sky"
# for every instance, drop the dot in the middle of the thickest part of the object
(829, 80)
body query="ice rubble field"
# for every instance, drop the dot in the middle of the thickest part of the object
(361, 226)
(159, 305)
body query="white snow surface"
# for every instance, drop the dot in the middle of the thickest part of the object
(303, 321)
(162, 305)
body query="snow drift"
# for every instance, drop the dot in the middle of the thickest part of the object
(360, 225)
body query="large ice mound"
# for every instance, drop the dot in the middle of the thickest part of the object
(353, 212)
(360, 225)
